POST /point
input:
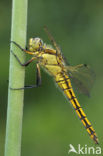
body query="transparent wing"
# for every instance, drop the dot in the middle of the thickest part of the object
(83, 77)
(52, 40)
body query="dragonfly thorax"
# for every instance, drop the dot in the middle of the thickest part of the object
(35, 43)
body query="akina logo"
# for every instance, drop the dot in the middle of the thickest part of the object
(84, 149)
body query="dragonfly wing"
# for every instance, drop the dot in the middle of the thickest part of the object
(83, 77)
(52, 40)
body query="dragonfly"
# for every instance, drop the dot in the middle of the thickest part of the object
(52, 60)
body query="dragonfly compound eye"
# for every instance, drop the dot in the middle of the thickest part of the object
(35, 43)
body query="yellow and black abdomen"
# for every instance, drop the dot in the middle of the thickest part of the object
(64, 83)
(57, 70)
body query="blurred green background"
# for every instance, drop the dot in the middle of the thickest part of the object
(49, 123)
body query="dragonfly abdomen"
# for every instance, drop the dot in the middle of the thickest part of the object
(64, 83)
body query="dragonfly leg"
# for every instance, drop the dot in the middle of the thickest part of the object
(22, 49)
(38, 75)
(23, 64)
(38, 80)
(25, 87)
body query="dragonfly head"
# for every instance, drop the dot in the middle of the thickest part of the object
(35, 43)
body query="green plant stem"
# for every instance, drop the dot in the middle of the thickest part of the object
(16, 80)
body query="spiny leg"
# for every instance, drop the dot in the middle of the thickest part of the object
(23, 64)
(38, 80)
(22, 49)
(38, 75)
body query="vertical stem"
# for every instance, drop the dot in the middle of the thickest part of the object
(16, 80)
